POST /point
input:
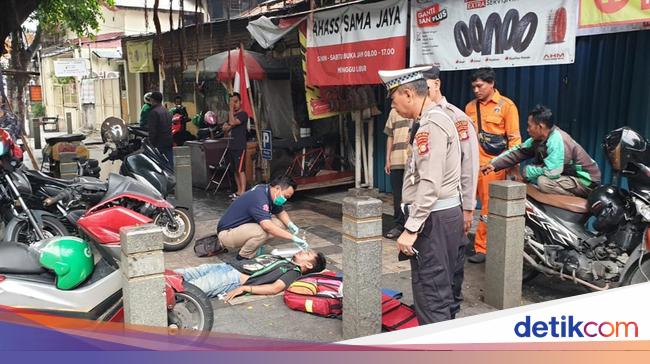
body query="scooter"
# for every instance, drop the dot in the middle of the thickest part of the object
(26, 285)
(140, 160)
(122, 201)
(600, 242)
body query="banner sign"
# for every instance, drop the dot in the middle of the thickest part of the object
(70, 67)
(348, 45)
(611, 16)
(318, 107)
(140, 56)
(457, 35)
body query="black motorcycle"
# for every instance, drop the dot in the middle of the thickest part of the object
(600, 242)
(22, 223)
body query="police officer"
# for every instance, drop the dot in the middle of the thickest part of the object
(433, 234)
(469, 165)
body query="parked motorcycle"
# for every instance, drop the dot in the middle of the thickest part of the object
(68, 143)
(70, 200)
(140, 160)
(600, 242)
(20, 221)
(126, 202)
(32, 281)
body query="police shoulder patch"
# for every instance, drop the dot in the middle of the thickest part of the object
(265, 207)
(422, 142)
(461, 127)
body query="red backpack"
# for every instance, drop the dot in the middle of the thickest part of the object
(317, 293)
(321, 294)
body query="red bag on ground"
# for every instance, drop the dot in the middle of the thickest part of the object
(317, 293)
(395, 315)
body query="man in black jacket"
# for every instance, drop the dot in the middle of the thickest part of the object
(160, 127)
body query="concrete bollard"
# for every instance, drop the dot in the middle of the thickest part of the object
(362, 257)
(183, 172)
(142, 266)
(504, 259)
(36, 132)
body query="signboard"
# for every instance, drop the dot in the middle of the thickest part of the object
(267, 145)
(611, 16)
(140, 56)
(348, 45)
(35, 93)
(317, 106)
(71, 67)
(457, 35)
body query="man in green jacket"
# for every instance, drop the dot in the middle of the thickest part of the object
(144, 112)
(559, 164)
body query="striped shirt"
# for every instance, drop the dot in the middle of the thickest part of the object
(398, 128)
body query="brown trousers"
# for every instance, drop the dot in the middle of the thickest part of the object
(565, 185)
(247, 237)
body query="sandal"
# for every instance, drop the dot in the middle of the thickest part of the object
(394, 233)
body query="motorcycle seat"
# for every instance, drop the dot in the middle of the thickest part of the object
(16, 258)
(570, 203)
(42, 177)
(68, 138)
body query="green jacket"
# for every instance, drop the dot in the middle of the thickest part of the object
(558, 155)
(144, 115)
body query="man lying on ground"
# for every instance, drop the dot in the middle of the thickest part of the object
(263, 275)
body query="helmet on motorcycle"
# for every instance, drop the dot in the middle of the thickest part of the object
(210, 118)
(609, 205)
(6, 144)
(623, 146)
(70, 258)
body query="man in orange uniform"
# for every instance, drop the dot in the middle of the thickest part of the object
(497, 120)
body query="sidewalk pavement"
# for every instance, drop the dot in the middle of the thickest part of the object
(319, 214)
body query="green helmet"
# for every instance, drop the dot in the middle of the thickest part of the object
(70, 258)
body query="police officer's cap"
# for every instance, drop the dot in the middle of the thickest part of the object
(396, 78)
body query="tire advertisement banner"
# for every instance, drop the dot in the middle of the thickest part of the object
(455, 34)
(612, 16)
(348, 45)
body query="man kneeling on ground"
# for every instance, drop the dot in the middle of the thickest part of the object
(264, 275)
(249, 221)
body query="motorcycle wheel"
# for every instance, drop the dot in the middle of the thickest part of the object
(180, 237)
(640, 274)
(192, 311)
(51, 227)
(528, 272)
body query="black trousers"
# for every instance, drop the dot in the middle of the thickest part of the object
(437, 270)
(397, 181)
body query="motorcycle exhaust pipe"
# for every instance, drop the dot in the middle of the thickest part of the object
(562, 276)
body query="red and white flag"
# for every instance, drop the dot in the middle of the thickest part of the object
(241, 83)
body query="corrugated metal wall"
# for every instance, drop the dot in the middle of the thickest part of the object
(607, 87)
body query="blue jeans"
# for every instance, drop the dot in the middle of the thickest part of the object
(213, 279)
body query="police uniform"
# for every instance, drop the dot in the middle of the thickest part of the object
(469, 171)
(431, 195)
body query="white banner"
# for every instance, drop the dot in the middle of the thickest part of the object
(348, 45)
(454, 34)
(72, 67)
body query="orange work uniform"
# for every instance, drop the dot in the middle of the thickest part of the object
(499, 116)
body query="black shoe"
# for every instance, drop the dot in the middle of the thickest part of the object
(239, 257)
(394, 233)
(477, 258)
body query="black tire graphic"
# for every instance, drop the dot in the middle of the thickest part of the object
(461, 36)
(492, 26)
(476, 33)
(527, 22)
(510, 20)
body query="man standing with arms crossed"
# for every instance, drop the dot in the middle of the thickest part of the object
(497, 120)
(236, 125)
